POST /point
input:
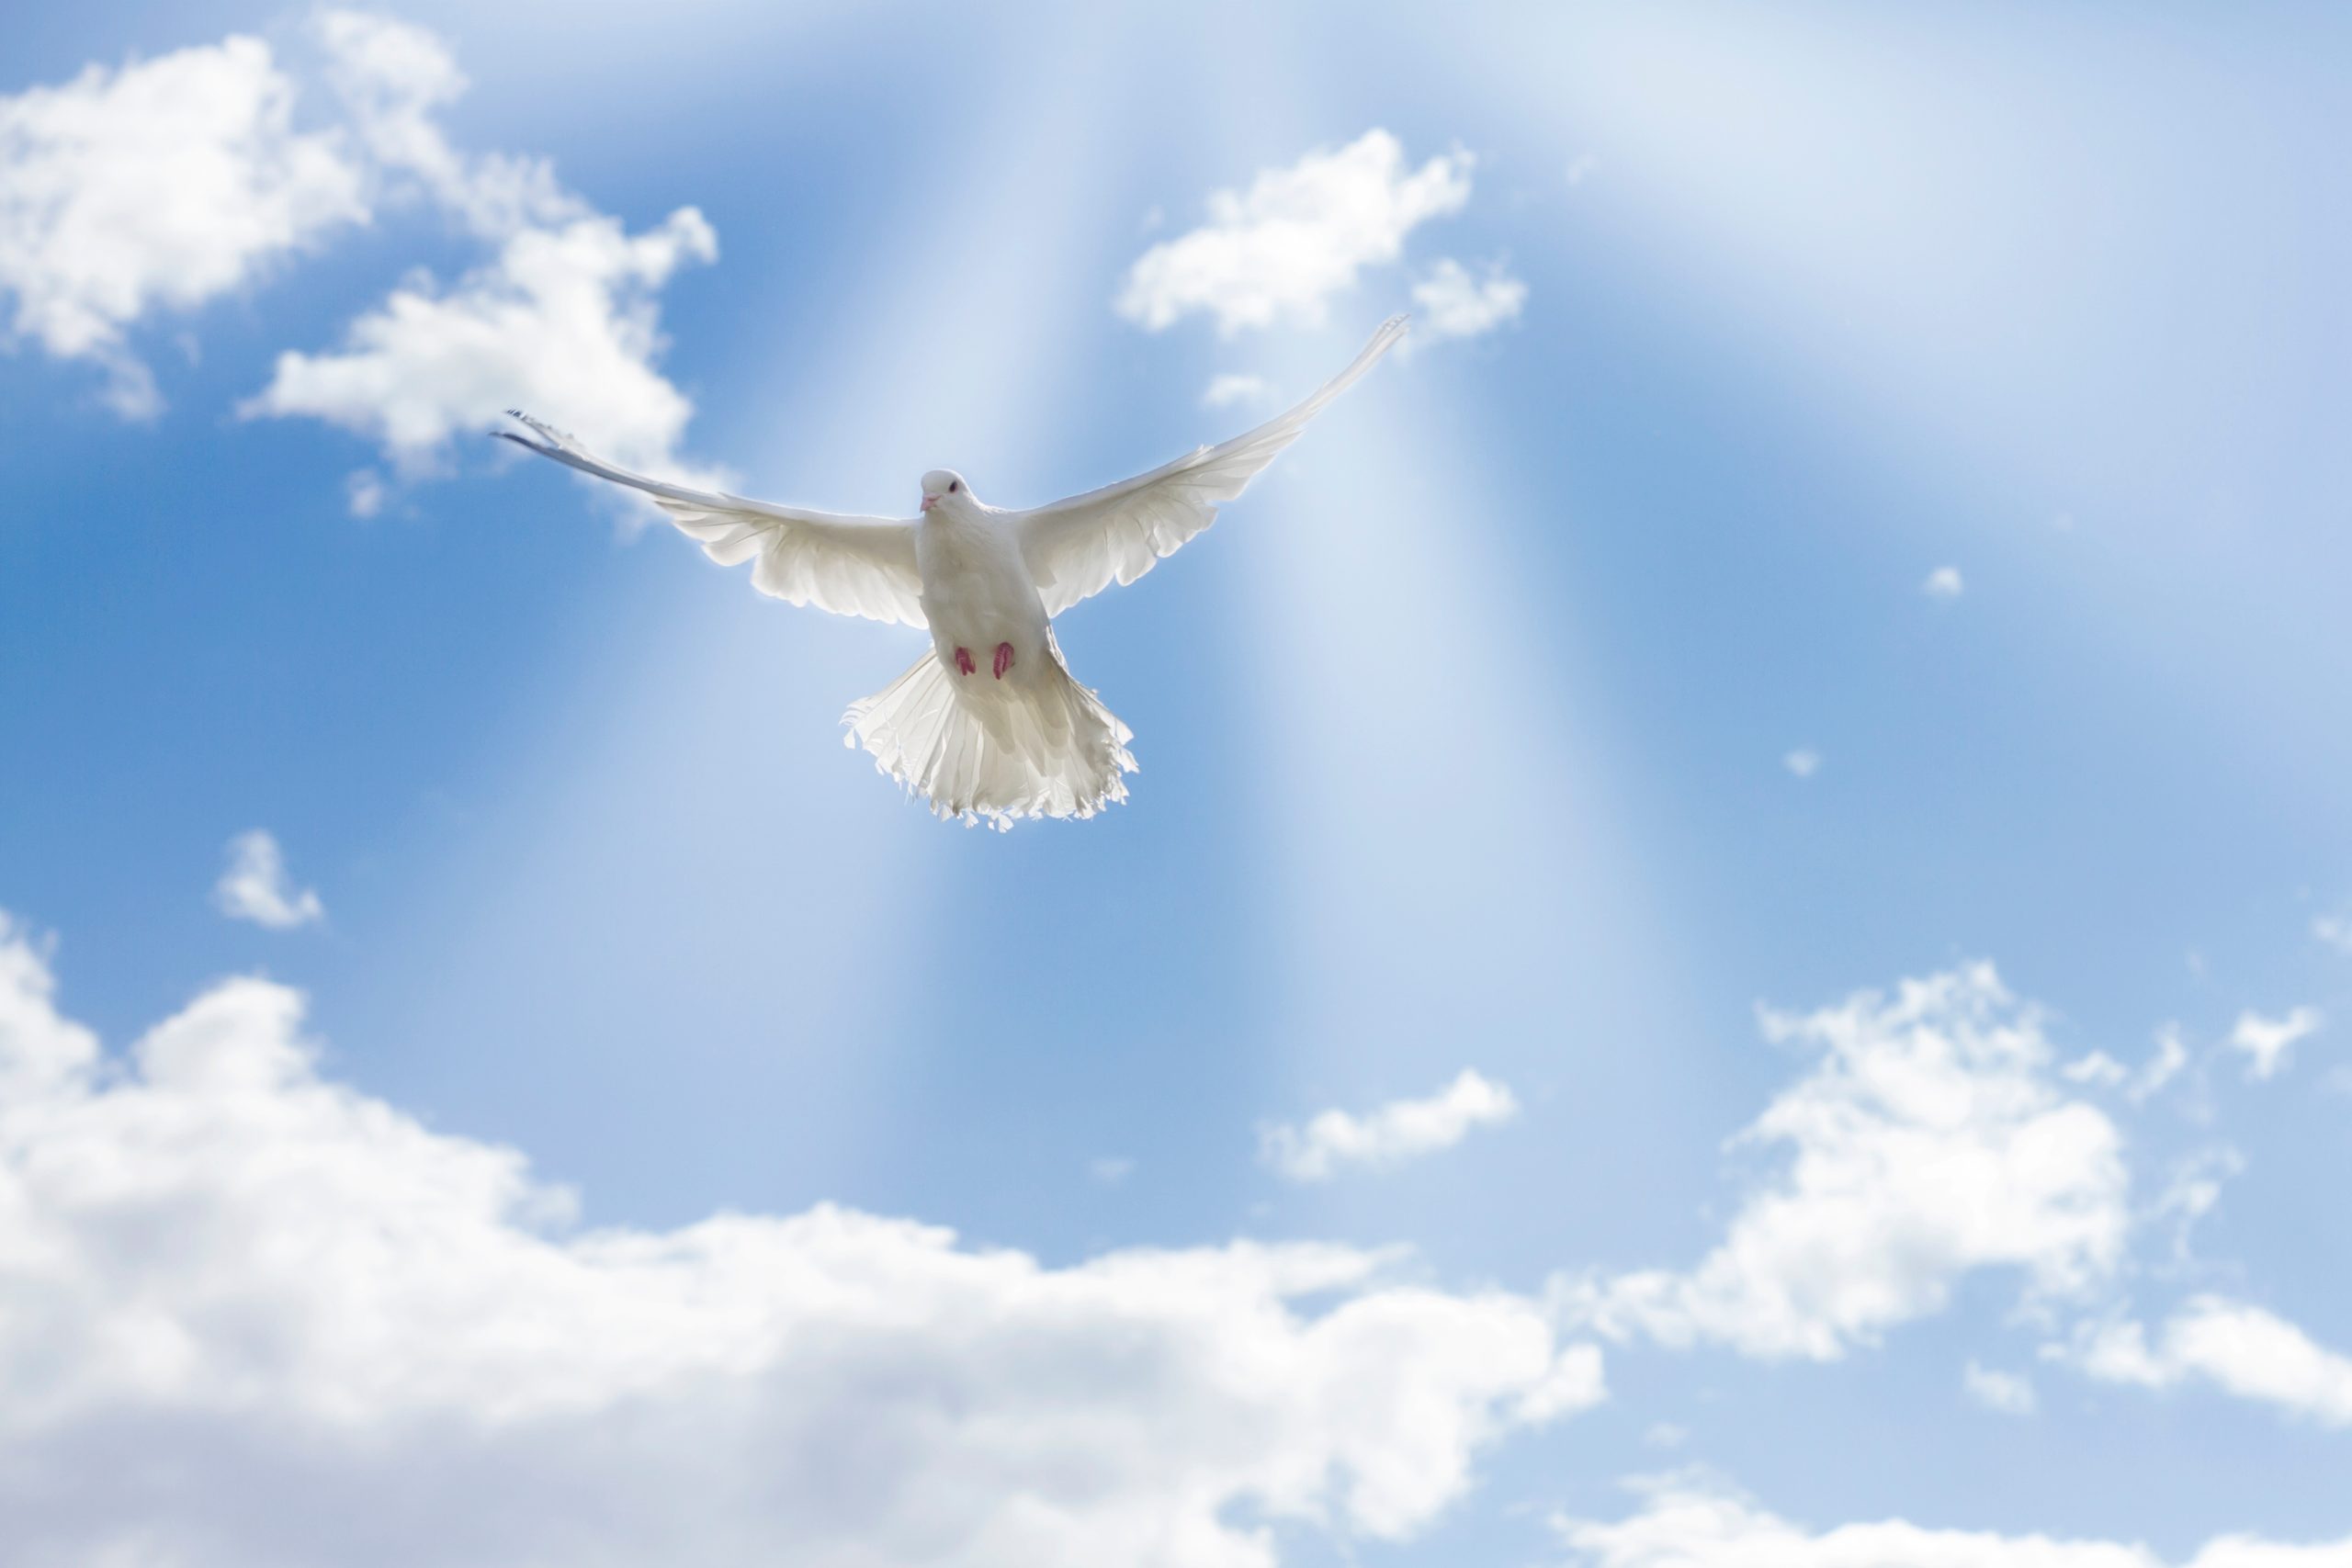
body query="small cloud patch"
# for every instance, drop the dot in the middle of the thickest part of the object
(1399, 1131)
(255, 886)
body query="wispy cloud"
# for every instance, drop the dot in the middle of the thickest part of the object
(2335, 930)
(1454, 303)
(1804, 762)
(2241, 1348)
(2171, 1056)
(1232, 387)
(363, 493)
(255, 886)
(2268, 1044)
(1944, 583)
(2011, 1393)
(1399, 1131)
(2098, 1067)
(1298, 235)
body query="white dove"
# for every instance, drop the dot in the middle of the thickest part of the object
(989, 725)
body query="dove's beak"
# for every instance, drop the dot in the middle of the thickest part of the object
(929, 501)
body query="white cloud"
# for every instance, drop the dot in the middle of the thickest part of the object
(1928, 1141)
(363, 491)
(161, 184)
(1455, 304)
(1692, 1520)
(2171, 1056)
(563, 320)
(2269, 1042)
(1110, 1169)
(166, 183)
(1804, 762)
(1297, 237)
(1231, 388)
(392, 77)
(2098, 1067)
(2334, 930)
(1581, 167)
(254, 887)
(2193, 1192)
(1943, 583)
(301, 1327)
(2011, 1393)
(1401, 1130)
(2236, 1347)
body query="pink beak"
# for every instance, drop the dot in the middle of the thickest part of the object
(929, 501)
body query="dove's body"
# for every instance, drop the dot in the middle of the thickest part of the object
(990, 723)
(976, 591)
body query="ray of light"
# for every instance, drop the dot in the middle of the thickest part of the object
(2031, 282)
(679, 880)
(1440, 785)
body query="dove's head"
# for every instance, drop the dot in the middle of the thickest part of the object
(945, 486)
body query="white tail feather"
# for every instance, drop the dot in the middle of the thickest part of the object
(983, 750)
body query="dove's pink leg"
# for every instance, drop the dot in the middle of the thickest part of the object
(1004, 658)
(964, 660)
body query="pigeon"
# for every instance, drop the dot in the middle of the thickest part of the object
(990, 725)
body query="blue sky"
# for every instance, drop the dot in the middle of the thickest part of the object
(1952, 397)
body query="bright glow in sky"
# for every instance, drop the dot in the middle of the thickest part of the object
(1732, 945)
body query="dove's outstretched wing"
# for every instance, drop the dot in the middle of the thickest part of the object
(1078, 548)
(850, 565)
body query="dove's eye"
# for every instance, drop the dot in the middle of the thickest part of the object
(954, 485)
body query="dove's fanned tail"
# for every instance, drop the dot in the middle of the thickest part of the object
(988, 751)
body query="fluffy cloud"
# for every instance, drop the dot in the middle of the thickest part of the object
(563, 320)
(563, 317)
(1804, 762)
(254, 887)
(2238, 1348)
(258, 1318)
(1280, 250)
(166, 183)
(1944, 583)
(2268, 1042)
(161, 184)
(1931, 1140)
(1695, 1521)
(1401, 1130)
(1455, 304)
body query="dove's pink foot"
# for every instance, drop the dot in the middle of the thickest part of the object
(964, 660)
(1004, 658)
